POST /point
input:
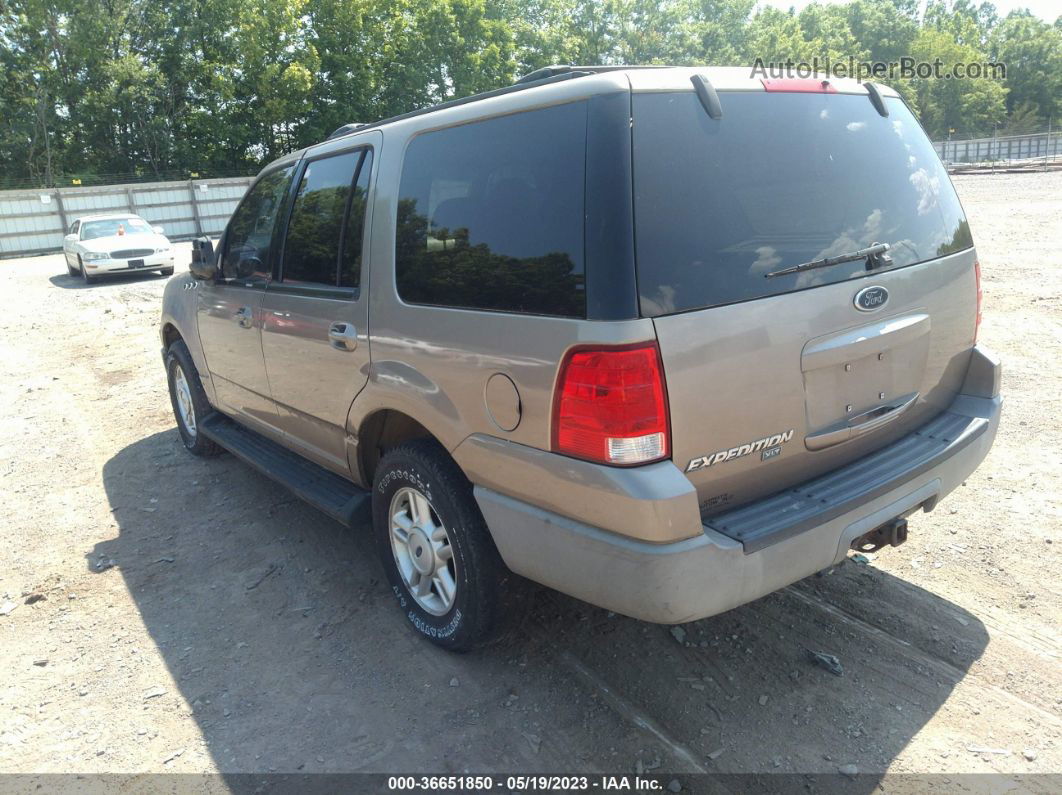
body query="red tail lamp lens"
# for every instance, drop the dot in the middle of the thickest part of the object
(611, 405)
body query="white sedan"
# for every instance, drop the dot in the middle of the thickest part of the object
(99, 244)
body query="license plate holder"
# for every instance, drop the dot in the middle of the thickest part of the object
(136, 263)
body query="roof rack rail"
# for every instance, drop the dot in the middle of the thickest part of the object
(520, 85)
(578, 71)
(346, 129)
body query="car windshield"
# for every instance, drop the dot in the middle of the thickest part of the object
(108, 227)
(780, 180)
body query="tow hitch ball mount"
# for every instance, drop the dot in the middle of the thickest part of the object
(892, 534)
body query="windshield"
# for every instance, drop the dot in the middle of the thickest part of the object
(115, 226)
(781, 179)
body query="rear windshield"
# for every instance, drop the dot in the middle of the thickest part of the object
(779, 180)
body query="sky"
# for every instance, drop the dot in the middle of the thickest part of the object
(1045, 9)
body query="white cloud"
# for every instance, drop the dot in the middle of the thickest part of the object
(928, 190)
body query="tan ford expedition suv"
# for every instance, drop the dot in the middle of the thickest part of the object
(664, 339)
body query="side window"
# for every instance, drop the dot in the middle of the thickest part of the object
(490, 214)
(350, 267)
(74, 227)
(249, 236)
(315, 231)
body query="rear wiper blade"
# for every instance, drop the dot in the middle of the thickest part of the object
(872, 253)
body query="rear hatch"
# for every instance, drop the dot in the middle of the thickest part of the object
(773, 379)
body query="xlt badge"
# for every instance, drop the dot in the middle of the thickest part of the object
(771, 444)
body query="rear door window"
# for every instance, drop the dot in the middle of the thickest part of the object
(327, 190)
(781, 179)
(490, 214)
(353, 240)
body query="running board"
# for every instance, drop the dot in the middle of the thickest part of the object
(324, 490)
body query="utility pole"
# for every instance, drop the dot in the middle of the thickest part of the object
(1047, 149)
(992, 154)
(47, 141)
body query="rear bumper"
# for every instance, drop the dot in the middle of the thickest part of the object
(710, 573)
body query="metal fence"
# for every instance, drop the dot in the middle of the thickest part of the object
(1004, 148)
(35, 221)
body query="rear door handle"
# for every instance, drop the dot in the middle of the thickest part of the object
(245, 317)
(875, 418)
(860, 424)
(343, 336)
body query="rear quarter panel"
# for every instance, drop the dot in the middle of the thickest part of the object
(433, 363)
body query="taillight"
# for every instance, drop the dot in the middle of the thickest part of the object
(980, 297)
(611, 405)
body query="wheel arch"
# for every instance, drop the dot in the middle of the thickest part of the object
(381, 430)
(170, 334)
(179, 322)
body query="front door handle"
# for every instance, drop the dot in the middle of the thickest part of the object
(343, 336)
(245, 317)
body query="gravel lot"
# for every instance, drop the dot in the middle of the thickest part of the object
(178, 614)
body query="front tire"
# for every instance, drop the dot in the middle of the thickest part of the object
(189, 401)
(167, 271)
(436, 550)
(84, 273)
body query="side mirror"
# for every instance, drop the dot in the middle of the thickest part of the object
(158, 230)
(203, 265)
(70, 238)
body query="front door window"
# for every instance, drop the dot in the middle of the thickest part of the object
(249, 237)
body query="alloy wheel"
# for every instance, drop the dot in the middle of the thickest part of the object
(185, 407)
(422, 551)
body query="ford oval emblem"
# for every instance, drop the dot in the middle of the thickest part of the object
(870, 299)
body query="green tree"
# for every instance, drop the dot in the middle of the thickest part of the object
(164, 87)
(968, 105)
(1032, 52)
(819, 31)
(884, 28)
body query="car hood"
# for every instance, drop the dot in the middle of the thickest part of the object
(119, 242)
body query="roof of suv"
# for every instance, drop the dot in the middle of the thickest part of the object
(639, 78)
(564, 83)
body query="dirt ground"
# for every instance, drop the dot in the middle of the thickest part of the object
(178, 614)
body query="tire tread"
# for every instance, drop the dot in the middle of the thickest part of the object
(497, 594)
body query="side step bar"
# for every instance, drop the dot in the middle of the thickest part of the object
(326, 491)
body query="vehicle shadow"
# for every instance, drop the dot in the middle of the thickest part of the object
(282, 638)
(68, 282)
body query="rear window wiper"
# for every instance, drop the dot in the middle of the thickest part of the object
(873, 255)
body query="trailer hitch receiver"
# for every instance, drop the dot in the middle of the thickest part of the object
(892, 534)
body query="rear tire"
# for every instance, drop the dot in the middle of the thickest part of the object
(189, 401)
(446, 573)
